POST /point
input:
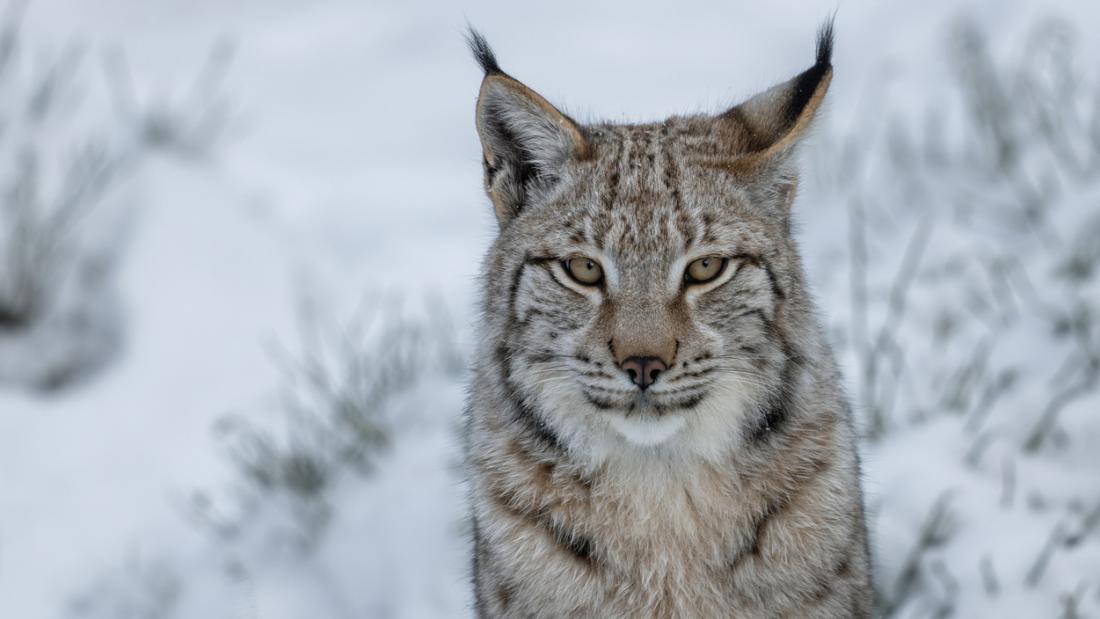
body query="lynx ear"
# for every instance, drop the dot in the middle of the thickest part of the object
(765, 127)
(525, 140)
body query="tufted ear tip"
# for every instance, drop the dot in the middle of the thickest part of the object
(525, 140)
(482, 52)
(769, 123)
(825, 42)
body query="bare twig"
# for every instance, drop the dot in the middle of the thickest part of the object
(1047, 421)
(1056, 539)
(989, 576)
(933, 533)
(1008, 484)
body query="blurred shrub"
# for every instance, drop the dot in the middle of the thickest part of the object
(335, 416)
(63, 158)
(189, 126)
(59, 314)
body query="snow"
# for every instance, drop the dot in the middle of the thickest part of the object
(350, 169)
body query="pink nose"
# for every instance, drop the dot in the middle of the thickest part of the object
(643, 370)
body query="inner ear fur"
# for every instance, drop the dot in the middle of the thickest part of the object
(525, 140)
(524, 115)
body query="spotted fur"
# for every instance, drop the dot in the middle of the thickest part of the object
(729, 487)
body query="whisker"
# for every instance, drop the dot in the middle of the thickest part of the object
(539, 351)
(745, 357)
(609, 390)
(545, 381)
(749, 380)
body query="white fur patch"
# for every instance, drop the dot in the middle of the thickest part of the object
(647, 431)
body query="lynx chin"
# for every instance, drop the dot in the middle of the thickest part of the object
(656, 425)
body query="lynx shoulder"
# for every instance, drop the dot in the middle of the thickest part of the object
(656, 426)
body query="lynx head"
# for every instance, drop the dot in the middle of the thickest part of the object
(644, 288)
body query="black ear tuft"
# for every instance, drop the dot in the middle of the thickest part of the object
(806, 83)
(482, 52)
(825, 42)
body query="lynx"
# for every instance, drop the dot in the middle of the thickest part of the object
(656, 425)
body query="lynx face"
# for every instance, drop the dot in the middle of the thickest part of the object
(641, 271)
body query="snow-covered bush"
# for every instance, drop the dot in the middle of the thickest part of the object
(59, 313)
(191, 124)
(69, 140)
(311, 476)
(339, 402)
(972, 335)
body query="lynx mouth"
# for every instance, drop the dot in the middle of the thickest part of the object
(644, 403)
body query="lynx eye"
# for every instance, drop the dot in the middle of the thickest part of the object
(704, 270)
(585, 270)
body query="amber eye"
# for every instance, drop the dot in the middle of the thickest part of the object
(704, 270)
(585, 270)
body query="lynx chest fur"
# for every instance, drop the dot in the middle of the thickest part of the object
(655, 425)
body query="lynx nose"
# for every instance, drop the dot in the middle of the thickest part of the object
(643, 370)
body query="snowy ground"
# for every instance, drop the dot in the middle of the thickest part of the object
(349, 170)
